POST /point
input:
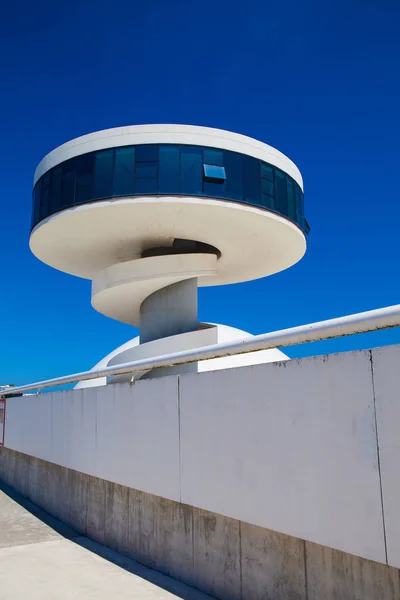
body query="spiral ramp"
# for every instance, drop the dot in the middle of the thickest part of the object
(120, 290)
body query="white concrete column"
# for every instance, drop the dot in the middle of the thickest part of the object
(169, 311)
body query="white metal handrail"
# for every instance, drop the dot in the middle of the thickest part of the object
(382, 318)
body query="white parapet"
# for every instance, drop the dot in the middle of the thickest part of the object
(290, 446)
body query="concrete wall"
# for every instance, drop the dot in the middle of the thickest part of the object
(129, 435)
(291, 446)
(227, 558)
(386, 379)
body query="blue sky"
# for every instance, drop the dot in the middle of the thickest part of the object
(317, 80)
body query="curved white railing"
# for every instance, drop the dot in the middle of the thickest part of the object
(382, 318)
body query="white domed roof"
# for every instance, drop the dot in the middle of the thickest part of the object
(224, 334)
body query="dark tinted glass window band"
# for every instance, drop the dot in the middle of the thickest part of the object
(176, 169)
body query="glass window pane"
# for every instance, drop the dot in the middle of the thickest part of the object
(191, 170)
(46, 180)
(214, 179)
(147, 153)
(84, 177)
(124, 171)
(234, 175)
(268, 187)
(291, 199)
(36, 203)
(83, 194)
(146, 170)
(103, 174)
(168, 170)
(281, 192)
(68, 184)
(146, 186)
(84, 163)
(299, 205)
(55, 190)
(44, 203)
(214, 189)
(267, 172)
(214, 172)
(252, 180)
(213, 156)
(268, 201)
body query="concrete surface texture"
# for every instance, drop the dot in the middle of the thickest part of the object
(225, 558)
(308, 448)
(41, 558)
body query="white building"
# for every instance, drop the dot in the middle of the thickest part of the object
(148, 213)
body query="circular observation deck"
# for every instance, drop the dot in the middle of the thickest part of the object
(140, 208)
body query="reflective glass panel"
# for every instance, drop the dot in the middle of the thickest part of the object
(84, 178)
(36, 203)
(299, 206)
(268, 187)
(103, 174)
(44, 203)
(147, 153)
(281, 192)
(83, 193)
(146, 170)
(252, 180)
(267, 172)
(84, 163)
(191, 170)
(124, 171)
(46, 180)
(216, 189)
(213, 156)
(291, 199)
(68, 184)
(268, 201)
(234, 175)
(214, 172)
(146, 186)
(168, 170)
(55, 190)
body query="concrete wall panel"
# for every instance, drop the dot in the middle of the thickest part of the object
(174, 534)
(96, 509)
(116, 526)
(122, 433)
(54, 498)
(160, 534)
(235, 560)
(334, 575)
(288, 446)
(386, 370)
(138, 429)
(216, 555)
(38, 481)
(77, 495)
(273, 565)
(28, 425)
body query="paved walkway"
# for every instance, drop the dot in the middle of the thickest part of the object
(41, 558)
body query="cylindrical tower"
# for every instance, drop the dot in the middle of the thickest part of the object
(150, 212)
